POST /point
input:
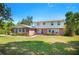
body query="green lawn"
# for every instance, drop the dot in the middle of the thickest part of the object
(39, 45)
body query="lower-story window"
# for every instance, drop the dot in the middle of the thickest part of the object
(23, 30)
(19, 29)
(52, 31)
(49, 30)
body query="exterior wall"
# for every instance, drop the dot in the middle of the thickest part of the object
(53, 31)
(44, 27)
(27, 31)
(48, 25)
(20, 30)
(31, 32)
(58, 31)
(44, 31)
(24, 31)
(61, 31)
(39, 31)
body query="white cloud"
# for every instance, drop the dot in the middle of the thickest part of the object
(50, 5)
(71, 7)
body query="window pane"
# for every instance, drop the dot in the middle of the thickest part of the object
(58, 23)
(49, 30)
(19, 29)
(44, 23)
(52, 23)
(23, 29)
(37, 23)
(52, 31)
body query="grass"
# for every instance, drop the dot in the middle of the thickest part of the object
(39, 45)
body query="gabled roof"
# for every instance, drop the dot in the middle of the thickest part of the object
(22, 26)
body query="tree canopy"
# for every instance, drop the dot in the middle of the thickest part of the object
(5, 17)
(26, 21)
(72, 22)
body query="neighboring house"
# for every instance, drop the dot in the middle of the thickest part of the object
(55, 27)
(23, 29)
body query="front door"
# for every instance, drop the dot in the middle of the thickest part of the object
(42, 31)
(39, 31)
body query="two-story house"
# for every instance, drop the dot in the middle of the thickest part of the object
(55, 27)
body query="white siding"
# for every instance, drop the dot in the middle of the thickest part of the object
(19, 30)
(48, 25)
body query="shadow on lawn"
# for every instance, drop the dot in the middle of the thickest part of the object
(39, 48)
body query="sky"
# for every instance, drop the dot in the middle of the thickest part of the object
(41, 11)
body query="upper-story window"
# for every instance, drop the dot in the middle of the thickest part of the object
(37, 23)
(52, 23)
(58, 23)
(44, 23)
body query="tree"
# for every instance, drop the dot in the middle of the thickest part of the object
(1, 14)
(1, 23)
(8, 26)
(24, 21)
(27, 21)
(76, 17)
(5, 14)
(70, 24)
(6, 21)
